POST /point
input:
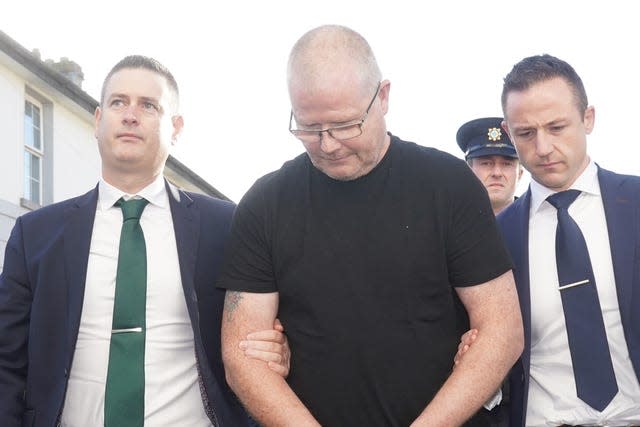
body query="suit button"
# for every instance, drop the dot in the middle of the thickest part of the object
(66, 374)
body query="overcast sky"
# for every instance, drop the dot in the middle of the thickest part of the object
(445, 61)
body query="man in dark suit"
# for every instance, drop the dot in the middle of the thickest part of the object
(61, 272)
(548, 118)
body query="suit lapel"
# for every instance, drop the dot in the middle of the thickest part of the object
(186, 220)
(78, 228)
(619, 209)
(186, 224)
(515, 228)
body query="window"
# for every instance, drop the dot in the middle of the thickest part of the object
(33, 151)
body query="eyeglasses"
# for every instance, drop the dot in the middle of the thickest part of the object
(341, 132)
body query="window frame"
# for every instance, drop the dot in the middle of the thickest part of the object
(32, 151)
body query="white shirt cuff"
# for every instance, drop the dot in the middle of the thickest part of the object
(494, 401)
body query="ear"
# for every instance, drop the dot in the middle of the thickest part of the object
(383, 93)
(520, 171)
(178, 124)
(589, 119)
(96, 116)
(504, 126)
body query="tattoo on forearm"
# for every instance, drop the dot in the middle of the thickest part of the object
(231, 302)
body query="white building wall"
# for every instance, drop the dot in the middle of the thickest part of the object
(8, 214)
(11, 114)
(11, 122)
(74, 159)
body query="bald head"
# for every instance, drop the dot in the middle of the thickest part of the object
(330, 55)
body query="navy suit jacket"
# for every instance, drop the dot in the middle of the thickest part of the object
(41, 295)
(621, 199)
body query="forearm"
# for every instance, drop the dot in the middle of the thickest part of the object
(12, 385)
(11, 408)
(264, 393)
(13, 373)
(15, 307)
(494, 311)
(474, 381)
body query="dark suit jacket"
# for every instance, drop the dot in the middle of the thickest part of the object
(41, 294)
(621, 199)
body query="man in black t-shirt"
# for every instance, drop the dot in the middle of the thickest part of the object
(375, 253)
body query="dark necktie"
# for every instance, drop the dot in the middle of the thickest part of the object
(592, 367)
(124, 392)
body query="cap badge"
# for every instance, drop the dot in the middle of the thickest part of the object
(494, 134)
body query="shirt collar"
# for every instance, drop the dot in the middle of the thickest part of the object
(155, 193)
(587, 182)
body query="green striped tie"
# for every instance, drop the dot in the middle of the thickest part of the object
(124, 393)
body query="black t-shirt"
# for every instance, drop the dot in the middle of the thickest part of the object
(365, 272)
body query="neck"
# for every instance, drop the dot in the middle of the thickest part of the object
(130, 184)
(500, 208)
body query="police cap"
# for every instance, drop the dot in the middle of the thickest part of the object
(485, 137)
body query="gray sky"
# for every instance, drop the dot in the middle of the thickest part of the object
(445, 61)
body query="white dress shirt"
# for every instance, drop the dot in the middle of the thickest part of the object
(172, 393)
(552, 388)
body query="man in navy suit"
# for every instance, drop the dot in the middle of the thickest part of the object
(548, 119)
(58, 284)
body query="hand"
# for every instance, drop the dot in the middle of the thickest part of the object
(465, 343)
(270, 346)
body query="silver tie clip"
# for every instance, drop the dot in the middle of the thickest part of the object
(126, 330)
(571, 285)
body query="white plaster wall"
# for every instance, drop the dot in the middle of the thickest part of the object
(8, 214)
(11, 131)
(76, 161)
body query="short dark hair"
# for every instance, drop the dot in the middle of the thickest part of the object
(147, 63)
(539, 68)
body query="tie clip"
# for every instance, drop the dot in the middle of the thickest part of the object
(126, 330)
(571, 285)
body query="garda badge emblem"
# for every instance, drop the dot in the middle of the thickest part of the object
(494, 134)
